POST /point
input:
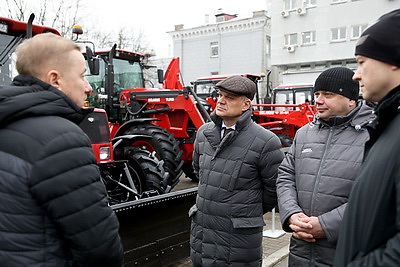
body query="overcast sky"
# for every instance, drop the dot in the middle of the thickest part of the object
(156, 17)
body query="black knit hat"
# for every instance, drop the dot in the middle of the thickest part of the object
(238, 85)
(338, 80)
(381, 41)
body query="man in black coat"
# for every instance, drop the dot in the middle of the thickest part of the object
(370, 231)
(54, 208)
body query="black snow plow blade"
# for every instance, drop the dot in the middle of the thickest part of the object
(155, 231)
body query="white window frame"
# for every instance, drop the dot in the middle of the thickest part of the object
(290, 4)
(357, 30)
(214, 49)
(291, 39)
(338, 34)
(310, 36)
(310, 3)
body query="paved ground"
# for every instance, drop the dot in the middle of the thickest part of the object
(275, 241)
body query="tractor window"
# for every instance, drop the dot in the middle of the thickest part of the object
(205, 88)
(292, 95)
(127, 74)
(97, 81)
(283, 97)
(8, 43)
(304, 95)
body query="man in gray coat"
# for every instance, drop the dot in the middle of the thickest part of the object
(237, 175)
(318, 172)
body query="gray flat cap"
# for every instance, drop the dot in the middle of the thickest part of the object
(238, 85)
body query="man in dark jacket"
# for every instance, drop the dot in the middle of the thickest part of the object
(54, 209)
(318, 172)
(370, 233)
(237, 175)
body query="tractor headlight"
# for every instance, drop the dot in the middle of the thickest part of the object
(104, 153)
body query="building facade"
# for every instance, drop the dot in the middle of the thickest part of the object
(309, 36)
(295, 39)
(229, 46)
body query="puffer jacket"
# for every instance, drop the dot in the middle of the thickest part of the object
(54, 209)
(370, 233)
(236, 187)
(316, 178)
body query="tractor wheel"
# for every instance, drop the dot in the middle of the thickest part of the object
(149, 167)
(164, 145)
(285, 140)
(146, 172)
(113, 177)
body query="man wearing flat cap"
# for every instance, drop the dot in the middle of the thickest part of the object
(370, 231)
(236, 162)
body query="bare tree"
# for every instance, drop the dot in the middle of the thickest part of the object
(64, 14)
(61, 15)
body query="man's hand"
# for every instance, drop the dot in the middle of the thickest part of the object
(316, 229)
(306, 228)
(300, 224)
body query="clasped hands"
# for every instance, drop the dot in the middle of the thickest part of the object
(305, 227)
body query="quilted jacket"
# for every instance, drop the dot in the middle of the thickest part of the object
(370, 234)
(316, 178)
(236, 187)
(54, 209)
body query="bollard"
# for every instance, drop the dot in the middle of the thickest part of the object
(273, 233)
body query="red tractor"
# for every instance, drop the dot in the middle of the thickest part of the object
(167, 118)
(286, 108)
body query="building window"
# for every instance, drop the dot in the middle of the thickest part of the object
(338, 34)
(214, 48)
(308, 37)
(308, 3)
(290, 4)
(320, 66)
(336, 64)
(338, 1)
(357, 30)
(214, 73)
(291, 39)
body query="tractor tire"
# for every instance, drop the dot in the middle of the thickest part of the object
(115, 192)
(147, 174)
(165, 146)
(150, 169)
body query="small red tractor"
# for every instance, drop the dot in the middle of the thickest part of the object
(286, 108)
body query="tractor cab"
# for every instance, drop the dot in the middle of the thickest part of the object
(12, 33)
(118, 70)
(293, 94)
